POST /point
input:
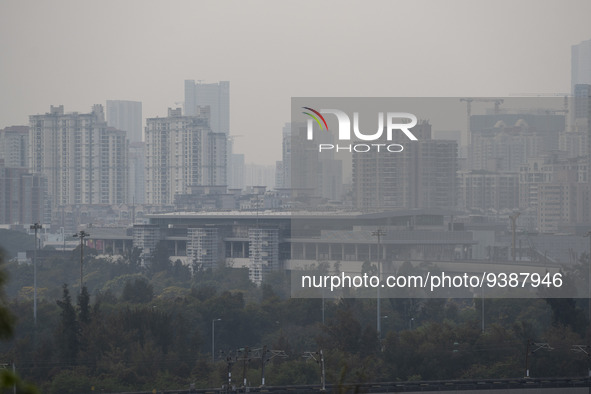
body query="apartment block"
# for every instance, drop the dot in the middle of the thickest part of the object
(181, 152)
(484, 190)
(127, 116)
(14, 146)
(84, 160)
(216, 96)
(23, 196)
(423, 175)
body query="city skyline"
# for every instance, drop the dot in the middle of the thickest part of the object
(338, 50)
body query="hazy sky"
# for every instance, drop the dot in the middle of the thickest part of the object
(79, 53)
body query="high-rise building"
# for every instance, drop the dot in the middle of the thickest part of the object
(214, 95)
(581, 64)
(423, 175)
(563, 202)
(259, 175)
(137, 168)
(482, 190)
(285, 167)
(127, 116)
(14, 146)
(181, 152)
(279, 175)
(574, 143)
(23, 196)
(582, 113)
(236, 171)
(84, 160)
(504, 142)
(555, 189)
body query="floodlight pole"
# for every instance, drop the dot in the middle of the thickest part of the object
(82, 234)
(35, 227)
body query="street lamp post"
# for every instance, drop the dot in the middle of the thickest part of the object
(82, 234)
(213, 339)
(35, 227)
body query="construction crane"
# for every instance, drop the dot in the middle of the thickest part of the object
(469, 101)
(565, 95)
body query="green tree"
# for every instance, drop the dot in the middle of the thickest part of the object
(140, 291)
(7, 378)
(68, 329)
(160, 259)
(84, 306)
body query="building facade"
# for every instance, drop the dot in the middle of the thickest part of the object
(137, 177)
(181, 152)
(504, 142)
(23, 196)
(214, 95)
(14, 146)
(484, 190)
(422, 175)
(127, 116)
(581, 64)
(203, 245)
(84, 160)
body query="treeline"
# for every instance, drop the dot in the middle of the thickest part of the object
(132, 328)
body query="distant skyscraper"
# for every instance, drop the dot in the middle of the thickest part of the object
(285, 166)
(23, 196)
(582, 113)
(127, 116)
(423, 175)
(504, 142)
(580, 64)
(259, 175)
(214, 95)
(483, 190)
(84, 160)
(14, 146)
(137, 169)
(236, 171)
(181, 151)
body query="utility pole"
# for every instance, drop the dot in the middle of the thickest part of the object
(229, 363)
(245, 358)
(535, 346)
(266, 355)
(35, 227)
(263, 362)
(82, 234)
(379, 233)
(319, 358)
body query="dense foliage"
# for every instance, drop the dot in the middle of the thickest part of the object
(137, 328)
